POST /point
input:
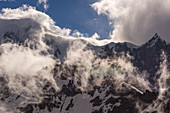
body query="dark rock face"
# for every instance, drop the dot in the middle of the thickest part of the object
(148, 57)
(104, 98)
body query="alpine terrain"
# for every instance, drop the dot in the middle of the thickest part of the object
(44, 72)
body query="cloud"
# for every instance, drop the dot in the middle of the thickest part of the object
(76, 33)
(25, 73)
(46, 24)
(37, 28)
(95, 36)
(28, 16)
(21, 64)
(45, 3)
(136, 21)
(162, 87)
(27, 61)
(27, 12)
(32, 28)
(28, 66)
(120, 69)
(6, 0)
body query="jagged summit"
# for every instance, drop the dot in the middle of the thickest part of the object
(99, 99)
(156, 35)
(156, 39)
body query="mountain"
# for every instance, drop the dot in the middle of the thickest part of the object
(113, 78)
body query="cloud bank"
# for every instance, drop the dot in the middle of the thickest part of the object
(136, 21)
(47, 24)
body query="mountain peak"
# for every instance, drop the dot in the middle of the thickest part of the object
(156, 37)
(154, 40)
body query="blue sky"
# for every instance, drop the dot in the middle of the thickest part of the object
(132, 21)
(72, 14)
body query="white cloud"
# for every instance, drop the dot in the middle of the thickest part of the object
(26, 69)
(45, 4)
(21, 64)
(88, 64)
(26, 12)
(32, 25)
(31, 17)
(95, 36)
(42, 27)
(136, 21)
(76, 33)
(6, 0)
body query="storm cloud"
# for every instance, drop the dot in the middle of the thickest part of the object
(136, 21)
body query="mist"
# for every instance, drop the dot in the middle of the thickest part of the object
(35, 56)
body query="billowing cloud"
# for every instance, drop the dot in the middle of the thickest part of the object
(24, 68)
(26, 16)
(136, 21)
(27, 12)
(45, 23)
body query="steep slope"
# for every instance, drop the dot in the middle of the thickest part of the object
(42, 71)
(113, 94)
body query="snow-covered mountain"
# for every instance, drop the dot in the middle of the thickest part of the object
(114, 78)
(42, 71)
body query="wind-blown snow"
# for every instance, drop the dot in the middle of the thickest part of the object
(31, 48)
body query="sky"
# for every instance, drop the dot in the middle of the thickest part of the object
(72, 14)
(114, 20)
